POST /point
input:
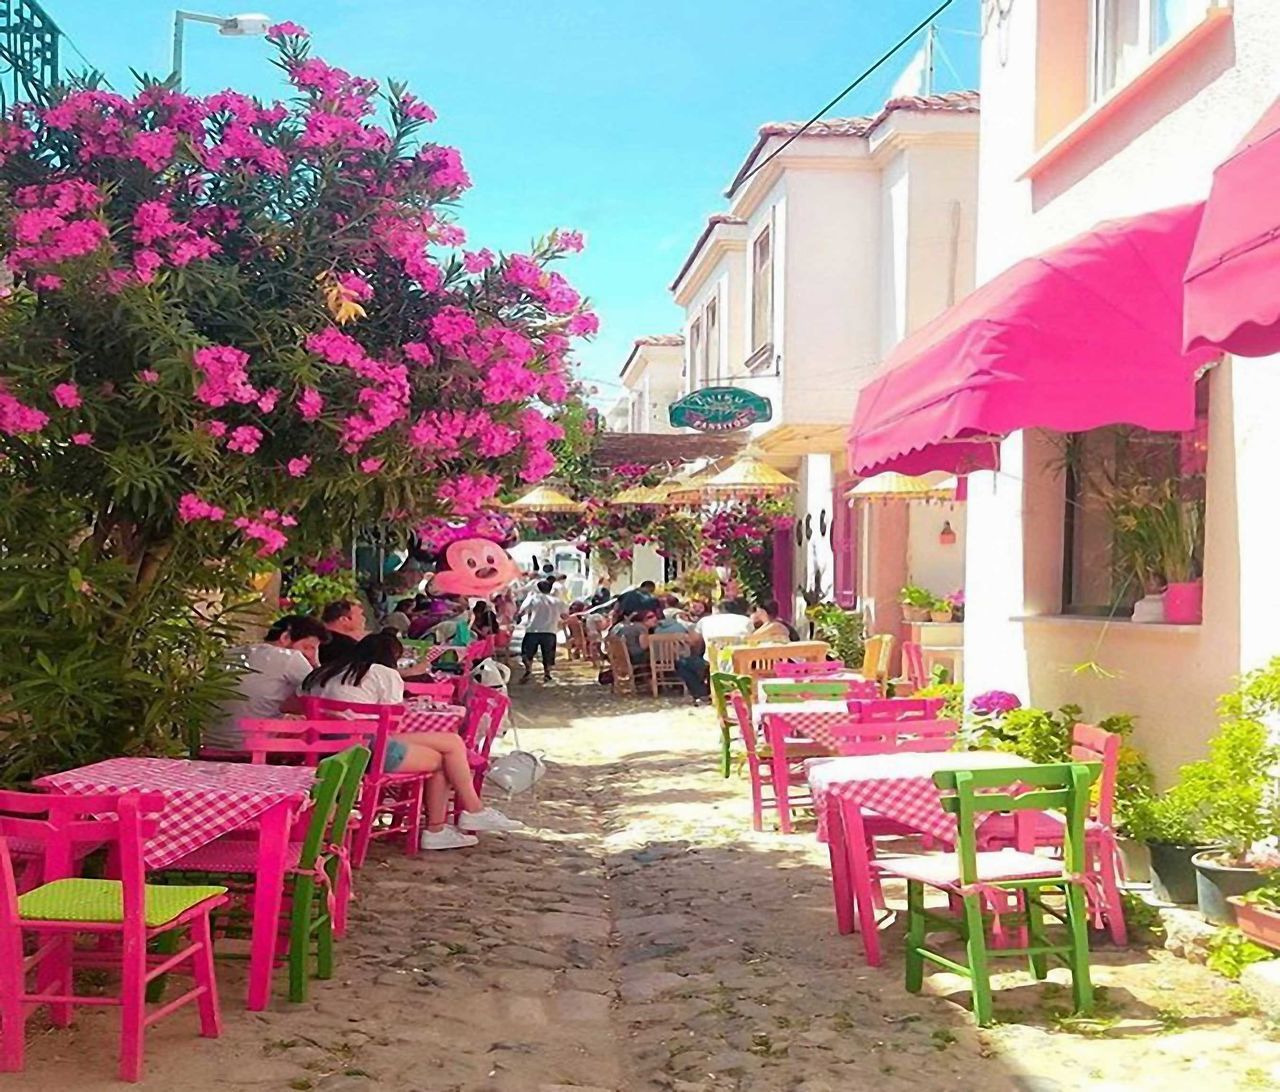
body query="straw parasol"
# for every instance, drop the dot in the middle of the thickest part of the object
(749, 476)
(902, 487)
(644, 495)
(544, 499)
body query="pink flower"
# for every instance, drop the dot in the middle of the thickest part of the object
(355, 286)
(285, 30)
(148, 375)
(226, 376)
(568, 240)
(371, 466)
(477, 261)
(418, 352)
(192, 508)
(216, 428)
(299, 466)
(415, 109)
(47, 282)
(245, 439)
(268, 400)
(146, 263)
(583, 324)
(452, 325)
(67, 395)
(310, 403)
(82, 439)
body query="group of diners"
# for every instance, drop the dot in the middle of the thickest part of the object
(334, 657)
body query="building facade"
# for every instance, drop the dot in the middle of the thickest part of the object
(1092, 110)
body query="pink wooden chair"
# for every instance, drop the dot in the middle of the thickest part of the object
(125, 914)
(486, 712)
(766, 791)
(390, 803)
(914, 676)
(1102, 852)
(888, 709)
(808, 670)
(444, 690)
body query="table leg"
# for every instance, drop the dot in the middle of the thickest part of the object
(841, 892)
(855, 840)
(781, 777)
(268, 897)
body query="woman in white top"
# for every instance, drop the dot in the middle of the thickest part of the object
(368, 674)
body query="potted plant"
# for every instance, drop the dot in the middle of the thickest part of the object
(917, 602)
(956, 599)
(1177, 525)
(1169, 825)
(1242, 813)
(1258, 912)
(940, 609)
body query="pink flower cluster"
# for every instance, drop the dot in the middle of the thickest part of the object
(192, 508)
(17, 418)
(55, 223)
(468, 493)
(383, 401)
(266, 529)
(162, 239)
(226, 376)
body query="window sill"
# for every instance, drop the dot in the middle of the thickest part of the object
(760, 361)
(1092, 621)
(1099, 115)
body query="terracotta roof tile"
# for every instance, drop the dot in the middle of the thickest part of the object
(713, 221)
(670, 340)
(959, 102)
(656, 449)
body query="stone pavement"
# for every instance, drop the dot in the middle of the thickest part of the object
(639, 936)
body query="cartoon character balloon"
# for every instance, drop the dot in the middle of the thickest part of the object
(475, 567)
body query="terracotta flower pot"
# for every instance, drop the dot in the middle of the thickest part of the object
(915, 614)
(1258, 923)
(941, 615)
(1183, 603)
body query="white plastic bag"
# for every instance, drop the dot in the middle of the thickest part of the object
(516, 771)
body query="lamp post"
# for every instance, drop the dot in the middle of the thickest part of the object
(230, 26)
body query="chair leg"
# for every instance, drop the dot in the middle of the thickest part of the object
(413, 820)
(206, 978)
(1035, 933)
(364, 831)
(1105, 854)
(1078, 956)
(13, 1013)
(324, 947)
(726, 752)
(54, 976)
(976, 950)
(133, 970)
(915, 936)
(304, 893)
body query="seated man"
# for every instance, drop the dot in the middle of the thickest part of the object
(345, 621)
(769, 628)
(271, 672)
(730, 622)
(635, 631)
(637, 599)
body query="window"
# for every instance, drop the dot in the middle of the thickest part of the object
(1134, 518)
(1127, 32)
(695, 354)
(711, 360)
(762, 290)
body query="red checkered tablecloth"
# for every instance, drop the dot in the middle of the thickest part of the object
(898, 786)
(203, 800)
(431, 716)
(815, 720)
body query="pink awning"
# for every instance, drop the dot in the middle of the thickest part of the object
(1232, 282)
(1084, 335)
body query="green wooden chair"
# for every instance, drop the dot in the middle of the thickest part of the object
(317, 884)
(981, 882)
(724, 683)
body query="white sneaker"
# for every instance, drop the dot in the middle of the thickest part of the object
(448, 838)
(489, 819)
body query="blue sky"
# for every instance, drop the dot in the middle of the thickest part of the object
(623, 118)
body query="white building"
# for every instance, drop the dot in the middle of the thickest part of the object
(833, 247)
(653, 376)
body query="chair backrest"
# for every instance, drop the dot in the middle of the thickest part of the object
(1092, 744)
(330, 775)
(355, 762)
(759, 661)
(878, 709)
(619, 659)
(742, 714)
(61, 822)
(971, 795)
(486, 709)
(914, 734)
(664, 648)
(351, 713)
(724, 683)
(913, 665)
(808, 670)
(876, 656)
(307, 741)
(819, 690)
(443, 690)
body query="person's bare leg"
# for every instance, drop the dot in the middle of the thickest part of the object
(418, 757)
(437, 803)
(450, 751)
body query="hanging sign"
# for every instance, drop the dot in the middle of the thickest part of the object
(720, 409)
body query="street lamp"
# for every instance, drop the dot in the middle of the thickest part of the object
(232, 26)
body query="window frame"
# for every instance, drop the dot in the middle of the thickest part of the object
(711, 339)
(762, 302)
(695, 352)
(1148, 45)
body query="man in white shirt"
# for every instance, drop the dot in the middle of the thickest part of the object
(544, 615)
(730, 622)
(270, 674)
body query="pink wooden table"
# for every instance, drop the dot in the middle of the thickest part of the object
(897, 786)
(799, 722)
(203, 801)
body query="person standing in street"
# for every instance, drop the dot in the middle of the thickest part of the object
(543, 615)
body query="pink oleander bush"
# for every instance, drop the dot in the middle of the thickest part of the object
(237, 331)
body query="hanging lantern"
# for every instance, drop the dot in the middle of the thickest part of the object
(947, 537)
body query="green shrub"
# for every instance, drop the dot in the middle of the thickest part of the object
(841, 629)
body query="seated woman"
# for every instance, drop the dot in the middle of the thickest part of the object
(770, 629)
(368, 674)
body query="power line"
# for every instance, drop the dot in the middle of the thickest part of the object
(883, 59)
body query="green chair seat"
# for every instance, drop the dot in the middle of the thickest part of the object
(103, 901)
